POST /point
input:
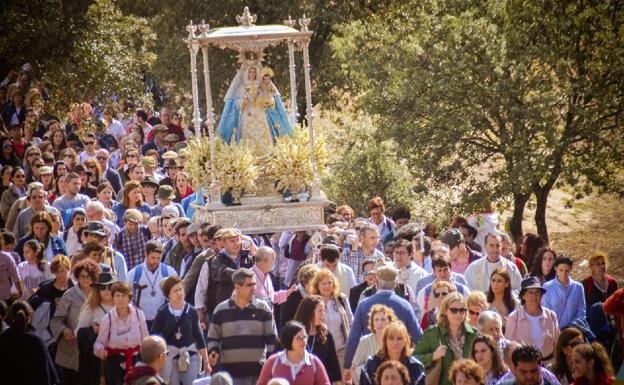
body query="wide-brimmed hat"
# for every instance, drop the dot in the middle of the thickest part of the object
(169, 155)
(95, 227)
(45, 170)
(149, 179)
(172, 163)
(105, 278)
(165, 192)
(171, 138)
(530, 283)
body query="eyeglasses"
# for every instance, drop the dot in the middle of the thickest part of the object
(442, 293)
(102, 158)
(302, 338)
(457, 310)
(473, 312)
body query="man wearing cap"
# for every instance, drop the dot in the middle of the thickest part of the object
(170, 142)
(223, 265)
(149, 186)
(461, 255)
(387, 279)
(479, 272)
(97, 232)
(72, 197)
(85, 186)
(132, 238)
(157, 143)
(36, 201)
(365, 248)
(165, 196)
(112, 176)
(330, 258)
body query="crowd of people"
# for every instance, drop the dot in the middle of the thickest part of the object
(105, 277)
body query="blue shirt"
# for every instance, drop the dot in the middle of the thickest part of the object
(119, 211)
(63, 203)
(567, 302)
(402, 309)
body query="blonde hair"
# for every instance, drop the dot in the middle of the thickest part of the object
(443, 284)
(321, 275)
(379, 308)
(396, 327)
(448, 300)
(477, 298)
(596, 256)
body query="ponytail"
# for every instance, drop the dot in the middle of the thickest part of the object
(37, 247)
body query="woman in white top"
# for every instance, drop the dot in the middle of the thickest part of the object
(71, 237)
(338, 316)
(379, 317)
(35, 269)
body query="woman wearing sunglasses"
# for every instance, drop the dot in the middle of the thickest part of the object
(450, 340)
(99, 302)
(439, 290)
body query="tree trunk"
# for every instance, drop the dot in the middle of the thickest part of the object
(515, 226)
(540, 211)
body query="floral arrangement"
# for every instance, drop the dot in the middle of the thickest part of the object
(290, 162)
(81, 116)
(236, 167)
(198, 160)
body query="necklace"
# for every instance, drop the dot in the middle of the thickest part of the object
(152, 283)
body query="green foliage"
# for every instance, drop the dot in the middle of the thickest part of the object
(497, 98)
(109, 59)
(363, 165)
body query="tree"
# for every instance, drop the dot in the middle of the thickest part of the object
(83, 50)
(501, 98)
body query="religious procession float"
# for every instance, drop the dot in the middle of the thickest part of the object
(258, 167)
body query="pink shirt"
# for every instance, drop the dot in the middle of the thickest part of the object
(121, 334)
(312, 372)
(8, 275)
(264, 288)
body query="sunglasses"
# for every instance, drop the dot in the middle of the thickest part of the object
(473, 312)
(105, 287)
(442, 293)
(37, 165)
(457, 310)
(89, 143)
(102, 158)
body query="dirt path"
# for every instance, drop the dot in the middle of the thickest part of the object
(590, 224)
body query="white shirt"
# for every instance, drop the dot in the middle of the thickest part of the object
(72, 243)
(202, 286)
(152, 297)
(479, 272)
(115, 128)
(538, 334)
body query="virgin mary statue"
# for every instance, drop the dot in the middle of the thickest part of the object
(253, 112)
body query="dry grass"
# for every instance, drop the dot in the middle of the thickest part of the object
(593, 223)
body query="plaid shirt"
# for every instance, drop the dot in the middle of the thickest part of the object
(354, 260)
(132, 246)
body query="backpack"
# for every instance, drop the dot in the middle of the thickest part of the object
(138, 273)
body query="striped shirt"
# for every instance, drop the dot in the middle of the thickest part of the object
(242, 337)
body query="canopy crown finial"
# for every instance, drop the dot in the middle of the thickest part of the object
(246, 19)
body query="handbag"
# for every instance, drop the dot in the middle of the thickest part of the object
(433, 374)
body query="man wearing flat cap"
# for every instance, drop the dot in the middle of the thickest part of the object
(223, 265)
